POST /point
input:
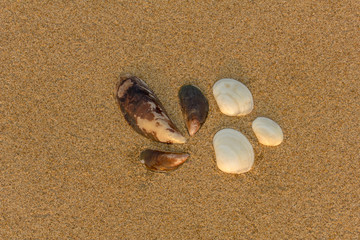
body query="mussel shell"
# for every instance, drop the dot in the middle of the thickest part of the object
(144, 111)
(160, 161)
(195, 107)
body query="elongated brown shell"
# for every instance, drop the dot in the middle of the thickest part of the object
(195, 107)
(144, 112)
(162, 161)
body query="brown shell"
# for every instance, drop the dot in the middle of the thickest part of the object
(162, 161)
(144, 112)
(195, 107)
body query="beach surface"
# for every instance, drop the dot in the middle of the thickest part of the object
(69, 162)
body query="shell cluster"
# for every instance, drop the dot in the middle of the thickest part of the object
(234, 153)
(146, 115)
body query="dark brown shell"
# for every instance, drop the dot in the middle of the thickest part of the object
(162, 161)
(144, 112)
(195, 107)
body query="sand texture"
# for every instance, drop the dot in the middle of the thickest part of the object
(69, 162)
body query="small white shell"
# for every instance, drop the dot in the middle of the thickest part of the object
(234, 153)
(233, 97)
(267, 131)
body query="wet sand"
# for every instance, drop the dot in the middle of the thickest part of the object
(69, 165)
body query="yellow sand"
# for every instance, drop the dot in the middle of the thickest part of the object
(69, 163)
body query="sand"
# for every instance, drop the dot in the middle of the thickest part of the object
(69, 165)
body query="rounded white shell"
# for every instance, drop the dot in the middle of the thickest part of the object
(233, 97)
(234, 153)
(267, 131)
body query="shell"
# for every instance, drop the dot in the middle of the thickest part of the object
(195, 107)
(144, 111)
(267, 131)
(233, 97)
(162, 161)
(234, 153)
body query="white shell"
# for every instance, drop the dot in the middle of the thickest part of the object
(233, 97)
(267, 131)
(234, 153)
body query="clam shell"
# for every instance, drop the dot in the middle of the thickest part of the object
(144, 111)
(234, 153)
(233, 97)
(195, 107)
(162, 161)
(267, 131)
